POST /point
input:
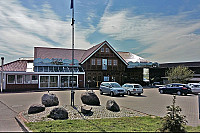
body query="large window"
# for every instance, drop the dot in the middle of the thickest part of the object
(44, 81)
(19, 79)
(27, 79)
(11, 79)
(53, 81)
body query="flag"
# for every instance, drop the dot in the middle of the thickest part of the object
(72, 4)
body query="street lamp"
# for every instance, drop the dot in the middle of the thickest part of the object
(2, 59)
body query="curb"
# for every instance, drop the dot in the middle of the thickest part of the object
(22, 125)
(20, 120)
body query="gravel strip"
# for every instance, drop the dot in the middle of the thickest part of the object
(98, 112)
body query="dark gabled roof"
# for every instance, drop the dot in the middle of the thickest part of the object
(90, 51)
(16, 66)
(94, 49)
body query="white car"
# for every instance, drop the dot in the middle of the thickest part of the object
(195, 87)
(112, 88)
(133, 88)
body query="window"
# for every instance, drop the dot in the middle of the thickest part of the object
(27, 79)
(50, 69)
(34, 79)
(40, 69)
(53, 81)
(110, 62)
(102, 49)
(11, 79)
(107, 50)
(115, 62)
(106, 78)
(44, 80)
(19, 79)
(98, 61)
(46, 69)
(93, 61)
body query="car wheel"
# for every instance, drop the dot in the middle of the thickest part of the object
(161, 92)
(129, 93)
(139, 94)
(122, 95)
(179, 93)
(101, 92)
(112, 94)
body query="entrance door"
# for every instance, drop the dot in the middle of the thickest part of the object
(104, 64)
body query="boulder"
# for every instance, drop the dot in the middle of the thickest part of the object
(36, 108)
(112, 106)
(50, 100)
(90, 98)
(86, 109)
(58, 113)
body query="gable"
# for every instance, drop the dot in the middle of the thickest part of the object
(97, 48)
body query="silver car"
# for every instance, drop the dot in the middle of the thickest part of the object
(195, 87)
(133, 88)
(112, 88)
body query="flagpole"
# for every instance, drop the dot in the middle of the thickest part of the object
(72, 90)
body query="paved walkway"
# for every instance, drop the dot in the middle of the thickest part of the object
(9, 121)
(151, 102)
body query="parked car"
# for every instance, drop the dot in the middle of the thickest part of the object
(195, 87)
(177, 88)
(133, 88)
(112, 88)
(157, 84)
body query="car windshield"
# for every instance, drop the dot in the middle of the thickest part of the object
(116, 85)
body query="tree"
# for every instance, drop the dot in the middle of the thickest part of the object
(180, 74)
(173, 121)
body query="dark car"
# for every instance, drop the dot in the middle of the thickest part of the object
(177, 88)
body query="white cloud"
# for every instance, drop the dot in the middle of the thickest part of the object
(21, 29)
(165, 38)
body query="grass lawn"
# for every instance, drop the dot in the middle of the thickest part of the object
(124, 124)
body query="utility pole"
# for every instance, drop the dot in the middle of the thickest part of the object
(72, 90)
(2, 59)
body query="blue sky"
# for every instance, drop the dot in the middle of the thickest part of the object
(157, 30)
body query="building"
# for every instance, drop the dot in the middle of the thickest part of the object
(52, 68)
(159, 74)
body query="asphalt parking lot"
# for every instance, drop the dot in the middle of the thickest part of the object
(150, 102)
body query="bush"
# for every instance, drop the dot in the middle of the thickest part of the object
(173, 121)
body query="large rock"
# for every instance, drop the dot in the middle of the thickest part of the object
(86, 109)
(90, 98)
(36, 108)
(58, 113)
(112, 106)
(50, 100)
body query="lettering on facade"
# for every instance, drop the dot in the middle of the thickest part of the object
(57, 61)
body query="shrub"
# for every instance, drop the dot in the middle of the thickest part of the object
(173, 121)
